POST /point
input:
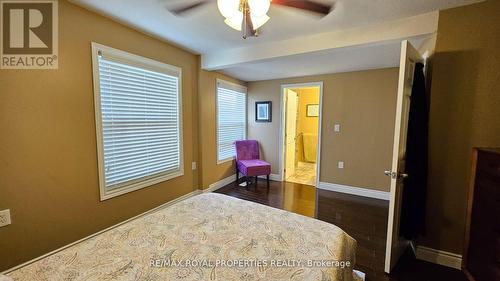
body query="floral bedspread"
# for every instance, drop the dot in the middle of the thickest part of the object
(206, 237)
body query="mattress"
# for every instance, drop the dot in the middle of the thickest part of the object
(206, 237)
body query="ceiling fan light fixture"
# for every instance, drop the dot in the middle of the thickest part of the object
(259, 7)
(233, 11)
(228, 8)
(235, 21)
(259, 21)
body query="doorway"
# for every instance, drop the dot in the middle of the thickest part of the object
(301, 120)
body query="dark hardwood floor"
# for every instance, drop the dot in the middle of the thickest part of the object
(365, 219)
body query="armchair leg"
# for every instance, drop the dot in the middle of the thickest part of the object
(237, 176)
(256, 179)
(267, 178)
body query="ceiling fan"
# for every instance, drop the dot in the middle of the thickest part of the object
(248, 16)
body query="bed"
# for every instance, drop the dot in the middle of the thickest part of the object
(206, 237)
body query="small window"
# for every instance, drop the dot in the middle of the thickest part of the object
(231, 118)
(138, 121)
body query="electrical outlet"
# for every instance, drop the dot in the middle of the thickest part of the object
(5, 217)
(341, 165)
(336, 127)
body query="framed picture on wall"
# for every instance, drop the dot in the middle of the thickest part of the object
(263, 111)
(312, 110)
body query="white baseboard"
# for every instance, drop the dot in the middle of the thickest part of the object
(439, 257)
(273, 177)
(164, 205)
(225, 181)
(354, 190)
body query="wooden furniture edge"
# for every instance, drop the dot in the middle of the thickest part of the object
(470, 200)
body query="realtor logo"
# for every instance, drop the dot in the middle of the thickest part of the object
(28, 34)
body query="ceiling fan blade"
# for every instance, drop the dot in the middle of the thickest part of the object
(305, 5)
(188, 8)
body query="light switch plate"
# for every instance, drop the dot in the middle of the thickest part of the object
(341, 165)
(336, 127)
(193, 166)
(5, 217)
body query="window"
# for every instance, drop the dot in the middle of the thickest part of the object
(231, 118)
(138, 121)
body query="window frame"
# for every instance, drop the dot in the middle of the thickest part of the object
(149, 64)
(235, 87)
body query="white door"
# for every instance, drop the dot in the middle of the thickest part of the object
(290, 131)
(395, 244)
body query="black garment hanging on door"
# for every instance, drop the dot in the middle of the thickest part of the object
(415, 185)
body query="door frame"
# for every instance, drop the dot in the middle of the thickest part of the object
(281, 146)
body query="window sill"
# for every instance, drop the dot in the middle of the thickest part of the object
(108, 194)
(220, 162)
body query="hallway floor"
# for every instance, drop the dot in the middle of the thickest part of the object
(305, 173)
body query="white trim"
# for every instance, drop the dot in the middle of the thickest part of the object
(218, 184)
(439, 257)
(235, 87)
(147, 63)
(320, 123)
(281, 138)
(230, 85)
(225, 181)
(220, 162)
(273, 177)
(136, 60)
(359, 191)
(164, 205)
(140, 184)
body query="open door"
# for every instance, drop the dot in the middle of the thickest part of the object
(290, 132)
(396, 245)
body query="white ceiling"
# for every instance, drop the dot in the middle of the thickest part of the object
(203, 31)
(373, 56)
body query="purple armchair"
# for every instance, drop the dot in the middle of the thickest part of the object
(248, 162)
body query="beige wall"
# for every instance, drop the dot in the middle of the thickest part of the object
(363, 102)
(465, 112)
(48, 168)
(308, 125)
(211, 172)
(305, 124)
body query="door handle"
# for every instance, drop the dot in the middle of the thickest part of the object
(390, 173)
(395, 175)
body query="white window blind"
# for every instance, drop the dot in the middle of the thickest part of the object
(231, 118)
(139, 116)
